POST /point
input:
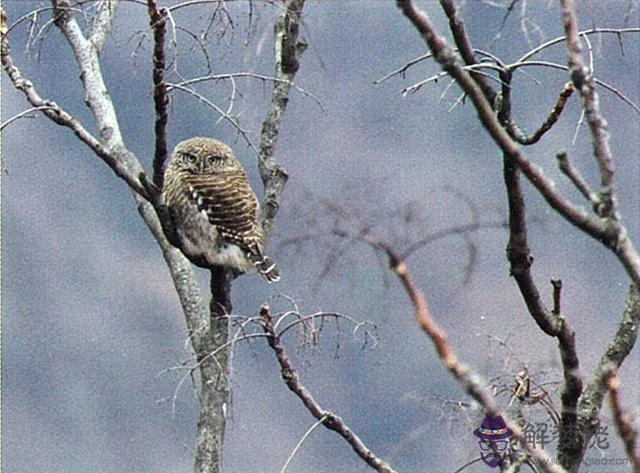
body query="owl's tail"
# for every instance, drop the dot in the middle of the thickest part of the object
(265, 267)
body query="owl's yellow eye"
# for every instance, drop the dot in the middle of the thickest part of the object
(212, 159)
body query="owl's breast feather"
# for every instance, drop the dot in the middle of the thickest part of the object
(201, 243)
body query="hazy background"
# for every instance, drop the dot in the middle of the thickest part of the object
(90, 319)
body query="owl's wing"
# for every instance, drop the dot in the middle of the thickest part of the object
(229, 203)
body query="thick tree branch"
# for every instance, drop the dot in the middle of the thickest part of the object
(208, 329)
(550, 322)
(330, 420)
(519, 255)
(102, 23)
(184, 280)
(158, 21)
(86, 55)
(289, 47)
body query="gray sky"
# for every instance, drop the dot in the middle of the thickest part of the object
(89, 316)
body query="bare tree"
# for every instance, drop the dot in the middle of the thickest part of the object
(486, 81)
(208, 326)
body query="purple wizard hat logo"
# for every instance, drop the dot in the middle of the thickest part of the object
(493, 434)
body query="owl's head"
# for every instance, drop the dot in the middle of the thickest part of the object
(204, 155)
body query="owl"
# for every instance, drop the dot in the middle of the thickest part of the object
(214, 210)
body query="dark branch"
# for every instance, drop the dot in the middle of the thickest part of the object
(551, 323)
(557, 292)
(456, 25)
(519, 255)
(158, 22)
(546, 125)
(330, 420)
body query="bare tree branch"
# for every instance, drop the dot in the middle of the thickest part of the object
(582, 78)
(467, 379)
(456, 25)
(96, 94)
(158, 20)
(561, 39)
(315, 425)
(120, 160)
(24, 114)
(224, 115)
(102, 23)
(610, 232)
(330, 420)
(614, 355)
(623, 420)
(572, 173)
(289, 47)
(547, 124)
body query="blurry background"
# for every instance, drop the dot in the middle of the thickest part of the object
(90, 320)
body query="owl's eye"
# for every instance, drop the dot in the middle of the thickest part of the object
(188, 158)
(213, 159)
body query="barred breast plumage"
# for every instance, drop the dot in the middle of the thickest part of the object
(215, 212)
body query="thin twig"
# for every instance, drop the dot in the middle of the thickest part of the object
(561, 39)
(24, 114)
(301, 441)
(561, 67)
(230, 119)
(572, 173)
(253, 75)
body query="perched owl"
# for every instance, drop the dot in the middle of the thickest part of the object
(214, 210)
